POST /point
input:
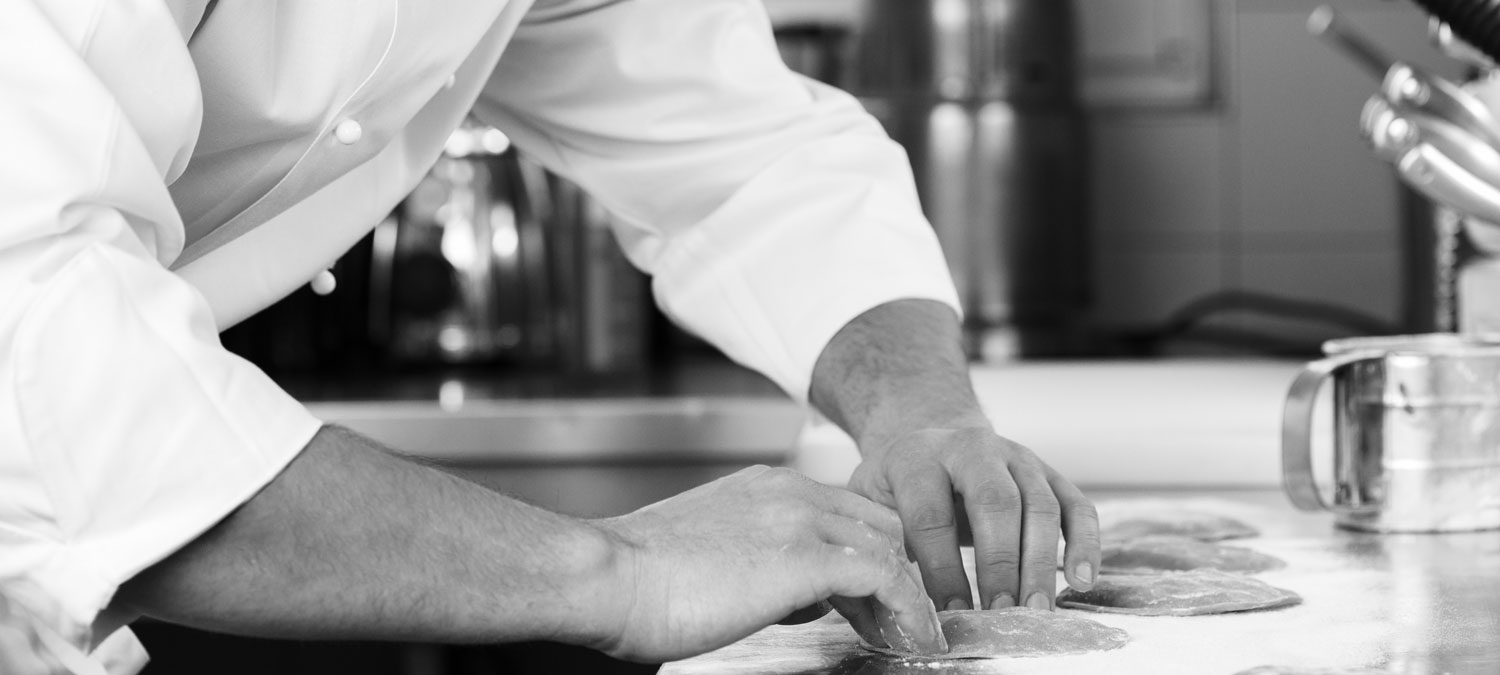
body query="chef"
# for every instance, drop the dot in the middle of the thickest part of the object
(173, 166)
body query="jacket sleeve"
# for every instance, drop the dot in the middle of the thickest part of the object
(769, 209)
(125, 429)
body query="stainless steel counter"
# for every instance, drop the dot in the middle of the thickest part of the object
(1414, 604)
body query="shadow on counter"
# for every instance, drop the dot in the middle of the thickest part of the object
(182, 651)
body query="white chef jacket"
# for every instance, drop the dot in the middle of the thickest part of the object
(166, 173)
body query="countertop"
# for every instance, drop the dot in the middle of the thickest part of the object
(1412, 604)
(1170, 429)
(1182, 422)
(706, 377)
(1111, 423)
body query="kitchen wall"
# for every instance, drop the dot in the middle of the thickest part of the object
(1225, 153)
(1265, 187)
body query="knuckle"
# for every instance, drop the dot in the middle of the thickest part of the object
(782, 513)
(1085, 516)
(790, 479)
(930, 518)
(779, 474)
(883, 516)
(999, 562)
(892, 570)
(891, 540)
(943, 571)
(1042, 557)
(1042, 504)
(995, 496)
(865, 567)
(752, 472)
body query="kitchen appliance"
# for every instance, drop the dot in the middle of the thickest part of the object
(1415, 433)
(443, 261)
(1443, 138)
(493, 260)
(981, 93)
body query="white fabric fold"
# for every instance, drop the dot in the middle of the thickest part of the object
(769, 209)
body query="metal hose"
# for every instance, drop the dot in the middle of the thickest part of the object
(1476, 21)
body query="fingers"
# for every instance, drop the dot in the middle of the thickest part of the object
(925, 501)
(1080, 523)
(841, 531)
(851, 505)
(838, 501)
(842, 526)
(1041, 522)
(911, 622)
(993, 503)
(807, 614)
(849, 525)
(875, 623)
(861, 617)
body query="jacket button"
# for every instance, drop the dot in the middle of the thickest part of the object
(452, 80)
(348, 132)
(324, 283)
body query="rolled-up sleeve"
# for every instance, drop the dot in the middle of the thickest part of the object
(125, 429)
(769, 209)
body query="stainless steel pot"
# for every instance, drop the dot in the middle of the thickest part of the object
(982, 95)
(1416, 433)
(492, 260)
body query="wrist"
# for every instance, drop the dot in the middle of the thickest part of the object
(592, 576)
(612, 585)
(895, 369)
(899, 414)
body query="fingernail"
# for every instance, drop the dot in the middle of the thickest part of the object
(1084, 572)
(1002, 601)
(940, 641)
(956, 603)
(1039, 601)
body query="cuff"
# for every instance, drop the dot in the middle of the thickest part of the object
(143, 432)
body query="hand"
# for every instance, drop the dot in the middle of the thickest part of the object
(1015, 505)
(21, 650)
(712, 565)
(897, 380)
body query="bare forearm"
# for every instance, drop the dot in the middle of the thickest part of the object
(351, 542)
(898, 366)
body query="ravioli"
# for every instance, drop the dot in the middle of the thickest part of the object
(1177, 594)
(1161, 553)
(1190, 524)
(1019, 632)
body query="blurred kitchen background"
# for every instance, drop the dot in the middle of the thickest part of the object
(1141, 200)
(1121, 178)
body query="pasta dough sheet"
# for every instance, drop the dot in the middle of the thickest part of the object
(1155, 554)
(1190, 524)
(1177, 594)
(1019, 632)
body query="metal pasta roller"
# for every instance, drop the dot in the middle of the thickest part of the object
(1443, 140)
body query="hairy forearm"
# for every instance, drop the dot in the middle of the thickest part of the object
(896, 367)
(350, 542)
